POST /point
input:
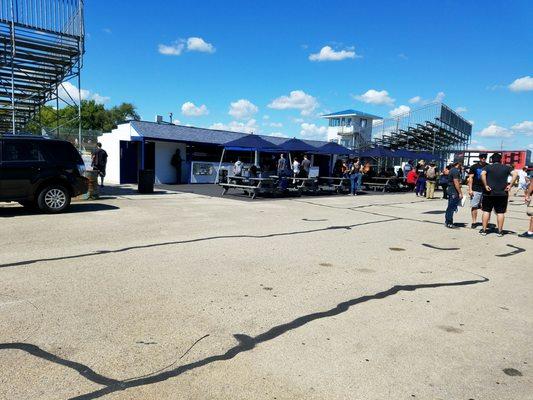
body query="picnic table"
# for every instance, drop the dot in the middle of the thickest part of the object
(391, 183)
(299, 183)
(334, 183)
(250, 186)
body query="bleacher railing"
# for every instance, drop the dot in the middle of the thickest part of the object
(64, 17)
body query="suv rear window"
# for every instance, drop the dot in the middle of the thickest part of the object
(62, 152)
(21, 151)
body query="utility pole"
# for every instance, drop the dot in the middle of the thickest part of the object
(171, 120)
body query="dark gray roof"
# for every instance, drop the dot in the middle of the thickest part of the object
(191, 134)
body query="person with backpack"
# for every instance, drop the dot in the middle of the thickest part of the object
(431, 180)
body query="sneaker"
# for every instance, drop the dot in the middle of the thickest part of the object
(526, 234)
(500, 234)
(473, 225)
(483, 232)
(451, 226)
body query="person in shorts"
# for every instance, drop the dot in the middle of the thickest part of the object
(496, 191)
(529, 202)
(475, 187)
(523, 181)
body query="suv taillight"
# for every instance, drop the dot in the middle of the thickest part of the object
(81, 169)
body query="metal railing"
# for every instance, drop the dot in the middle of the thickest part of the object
(63, 17)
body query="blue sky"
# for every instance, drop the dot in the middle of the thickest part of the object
(274, 67)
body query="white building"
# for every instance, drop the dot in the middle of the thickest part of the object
(350, 128)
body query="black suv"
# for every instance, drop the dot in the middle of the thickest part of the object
(40, 172)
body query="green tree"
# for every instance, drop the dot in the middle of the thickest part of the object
(94, 116)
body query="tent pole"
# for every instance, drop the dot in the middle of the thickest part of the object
(220, 165)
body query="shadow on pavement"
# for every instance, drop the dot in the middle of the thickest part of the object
(74, 208)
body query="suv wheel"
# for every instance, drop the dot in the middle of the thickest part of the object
(54, 199)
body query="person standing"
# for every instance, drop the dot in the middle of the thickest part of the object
(306, 166)
(455, 193)
(295, 168)
(282, 165)
(431, 180)
(529, 202)
(99, 162)
(523, 181)
(411, 180)
(443, 181)
(496, 191)
(421, 181)
(475, 186)
(355, 176)
(175, 161)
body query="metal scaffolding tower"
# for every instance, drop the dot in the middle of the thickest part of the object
(41, 50)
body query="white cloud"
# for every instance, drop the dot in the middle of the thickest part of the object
(525, 127)
(523, 84)
(311, 131)
(276, 124)
(328, 54)
(461, 110)
(236, 126)
(403, 56)
(174, 49)
(278, 134)
(67, 91)
(494, 130)
(176, 122)
(190, 110)
(373, 96)
(439, 97)
(298, 100)
(107, 30)
(399, 111)
(530, 146)
(199, 44)
(242, 109)
(265, 117)
(190, 44)
(297, 120)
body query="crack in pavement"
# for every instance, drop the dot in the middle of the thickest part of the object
(245, 343)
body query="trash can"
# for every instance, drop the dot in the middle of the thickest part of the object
(222, 175)
(146, 180)
(92, 193)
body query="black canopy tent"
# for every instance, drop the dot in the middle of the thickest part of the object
(249, 142)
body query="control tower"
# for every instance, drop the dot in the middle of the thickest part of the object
(41, 48)
(350, 128)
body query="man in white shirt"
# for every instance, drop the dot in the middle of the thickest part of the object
(523, 180)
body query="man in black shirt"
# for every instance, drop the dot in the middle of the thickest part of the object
(99, 162)
(496, 191)
(475, 186)
(455, 193)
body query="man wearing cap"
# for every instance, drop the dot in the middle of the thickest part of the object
(475, 186)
